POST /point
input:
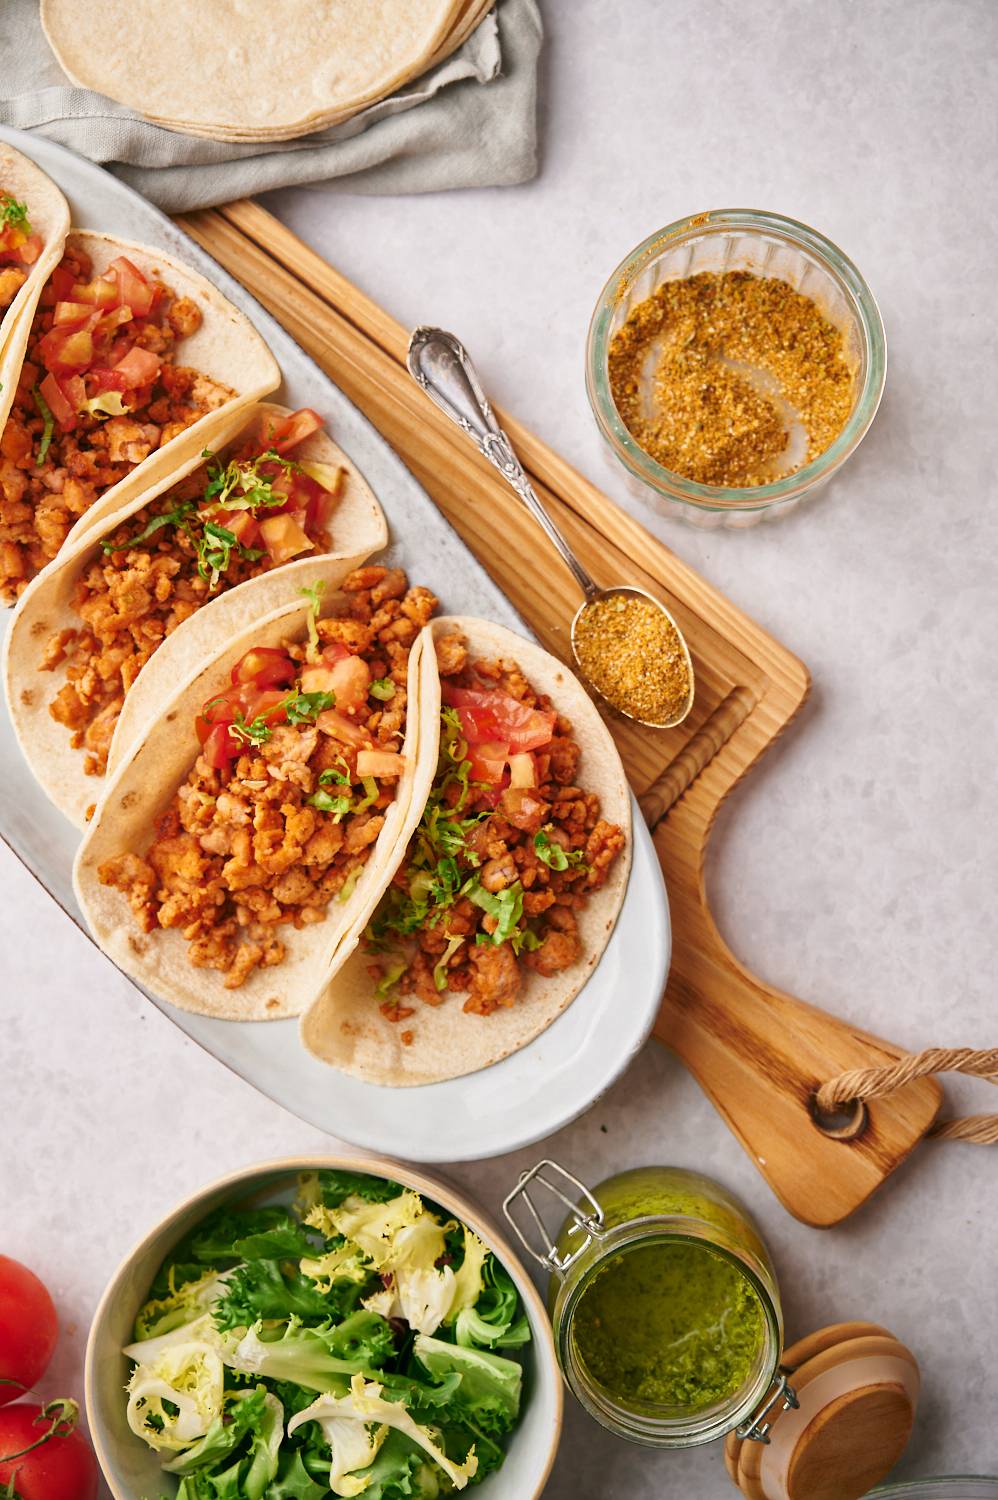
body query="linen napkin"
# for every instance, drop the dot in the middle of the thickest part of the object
(468, 122)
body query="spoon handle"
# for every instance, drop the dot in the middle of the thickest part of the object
(439, 363)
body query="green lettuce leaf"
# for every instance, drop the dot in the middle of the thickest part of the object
(489, 1394)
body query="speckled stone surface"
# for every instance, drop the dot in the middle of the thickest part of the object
(857, 866)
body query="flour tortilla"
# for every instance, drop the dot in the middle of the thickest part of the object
(345, 1028)
(141, 789)
(48, 216)
(237, 64)
(358, 529)
(226, 348)
(467, 20)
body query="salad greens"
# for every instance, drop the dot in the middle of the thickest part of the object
(346, 1345)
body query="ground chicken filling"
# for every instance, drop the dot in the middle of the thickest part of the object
(507, 853)
(277, 818)
(58, 456)
(146, 579)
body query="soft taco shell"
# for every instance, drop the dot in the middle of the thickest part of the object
(344, 1026)
(48, 215)
(327, 59)
(359, 528)
(464, 23)
(142, 788)
(226, 348)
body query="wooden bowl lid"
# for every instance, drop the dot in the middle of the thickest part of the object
(857, 1387)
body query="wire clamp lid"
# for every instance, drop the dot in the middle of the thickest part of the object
(756, 1429)
(590, 1224)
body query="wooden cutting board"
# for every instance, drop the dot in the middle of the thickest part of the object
(758, 1054)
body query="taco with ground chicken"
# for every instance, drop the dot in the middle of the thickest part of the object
(101, 637)
(495, 914)
(34, 222)
(242, 835)
(129, 363)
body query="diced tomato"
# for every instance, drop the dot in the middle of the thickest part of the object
(266, 704)
(31, 249)
(134, 290)
(219, 747)
(293, 430)
(321, 505)
(494, 715)
(70, 313)
(138, 367)
(265, 666)
(240, 522)
(101, 292)
(62, 350)
(284, 537)
(488, 761)
(60, 287)
(334, 651)
(61, 409)
(339, 727)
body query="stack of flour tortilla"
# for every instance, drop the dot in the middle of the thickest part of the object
(238, 71)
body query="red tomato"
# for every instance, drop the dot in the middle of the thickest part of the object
(133, 289)
(61, 1468)
(62, 410)
(28, 1329)
(488, 761)
(494, 715)
(138, 367)
(102, 291)
(266, 666)
(60, 287)
(294, 430)
(70, 312)
(219, 747)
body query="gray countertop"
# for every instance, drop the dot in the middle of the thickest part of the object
(856, 867)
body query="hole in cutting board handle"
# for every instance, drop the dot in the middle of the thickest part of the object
(846, 1123)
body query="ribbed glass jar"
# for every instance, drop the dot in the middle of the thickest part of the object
(665, 1206)
(768, 245)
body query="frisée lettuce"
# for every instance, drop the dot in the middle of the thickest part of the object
(346, 1345)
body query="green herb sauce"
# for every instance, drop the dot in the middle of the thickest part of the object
(671, 1322)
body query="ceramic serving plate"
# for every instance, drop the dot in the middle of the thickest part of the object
(132, 1469)
(539, 1089)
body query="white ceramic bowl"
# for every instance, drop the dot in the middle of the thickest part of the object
(132, 1470)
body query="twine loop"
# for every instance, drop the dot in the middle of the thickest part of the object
(873, 1083)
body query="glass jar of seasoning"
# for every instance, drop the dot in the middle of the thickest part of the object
(668, 1328)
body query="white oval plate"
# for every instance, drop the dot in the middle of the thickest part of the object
(559, 1075)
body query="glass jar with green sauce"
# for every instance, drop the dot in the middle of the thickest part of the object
(664, 1303)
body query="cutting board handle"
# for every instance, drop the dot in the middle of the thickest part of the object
(760, 1055)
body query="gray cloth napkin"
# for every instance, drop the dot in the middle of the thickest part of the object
(469, 122)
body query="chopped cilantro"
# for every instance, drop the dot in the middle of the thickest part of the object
(14, 213)
(382, 688)
(256, 732)
(45, 412)
(305, 708)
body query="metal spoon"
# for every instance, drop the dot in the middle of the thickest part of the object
(439, 363)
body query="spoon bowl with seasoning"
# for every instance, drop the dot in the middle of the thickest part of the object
(626, 644)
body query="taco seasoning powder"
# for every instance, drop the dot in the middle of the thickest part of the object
(632, 653)
(710, 372)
